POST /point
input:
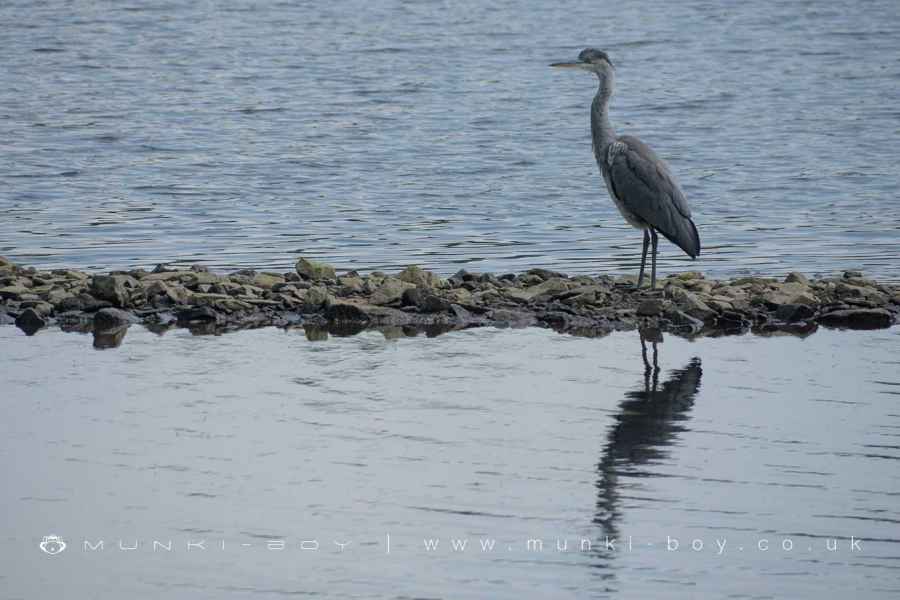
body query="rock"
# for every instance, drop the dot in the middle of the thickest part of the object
(650, 307)
(267, 281)
(529, 280)
(352, 284)
(30, 321)
(845, 291)
(683, 320)
(390, 292)
(689, 275)
(796, 277)
(790, 293)
(545, 274)
(690, 303)
(346, 312)
(114, 288)
(165, 275)
(112, 318)
(852, 274)
(719, 304)
(168, 293)
(92, 304)
(420, 278)
(459, 296)
(45, 309)
(545, 288)
(199, 314)
(13, 292)
(461, 276)
(461, 314)
(56, 295)
(791, 313)
(425, 301)
(584, 299)
(316, 297)
(196, 279)
(752, 281)
(314, 270)
(489, 296)
(858, 318)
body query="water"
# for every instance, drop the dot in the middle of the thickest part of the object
(374, 135)
(755, 443)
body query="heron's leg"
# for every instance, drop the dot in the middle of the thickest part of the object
(643, 258)
(654, 238)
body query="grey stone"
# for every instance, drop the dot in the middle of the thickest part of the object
(419, 277)
(796, 277)
(351, 283)
(682, 319)
(858, 318)
(690, 303)
(314, 270)
(346, 312)
(390, 292)
(846, 290)
(112, 318)
(545, 274)
(434, 304)
(199, 314)
(13, 292)
(548, 288)
(790, 293)
(316, 297)
(114, 288)
(267, 281)
(791, 313)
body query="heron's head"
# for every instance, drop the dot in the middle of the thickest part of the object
(593, 60)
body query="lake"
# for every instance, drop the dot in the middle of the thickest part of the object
(378, 135)
(487, 463)
(374, 466)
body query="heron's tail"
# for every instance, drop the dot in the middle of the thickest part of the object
(684, 236)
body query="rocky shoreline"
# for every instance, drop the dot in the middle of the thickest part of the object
(315, 297)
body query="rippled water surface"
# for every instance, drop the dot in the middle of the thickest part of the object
(381, 134)
(781, 450)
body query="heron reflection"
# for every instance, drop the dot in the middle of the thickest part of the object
(647, 424)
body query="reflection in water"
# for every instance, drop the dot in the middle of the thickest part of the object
(109, 338)
(648, 421)
(483, 433)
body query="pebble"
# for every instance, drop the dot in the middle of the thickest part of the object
(312, 295)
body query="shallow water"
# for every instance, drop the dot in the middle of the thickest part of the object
(375, 135)
(504, 435)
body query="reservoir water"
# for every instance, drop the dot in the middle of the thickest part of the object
(742, 466)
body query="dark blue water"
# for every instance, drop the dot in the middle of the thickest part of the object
(380, 134)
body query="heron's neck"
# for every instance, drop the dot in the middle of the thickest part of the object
(602, 134)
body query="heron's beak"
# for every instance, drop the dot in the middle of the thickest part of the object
(569, 65)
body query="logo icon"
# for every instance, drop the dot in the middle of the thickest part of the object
(52, 544)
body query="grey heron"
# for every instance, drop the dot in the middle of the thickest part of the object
(639, 182)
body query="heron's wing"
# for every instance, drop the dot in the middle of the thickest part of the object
(644, 184)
